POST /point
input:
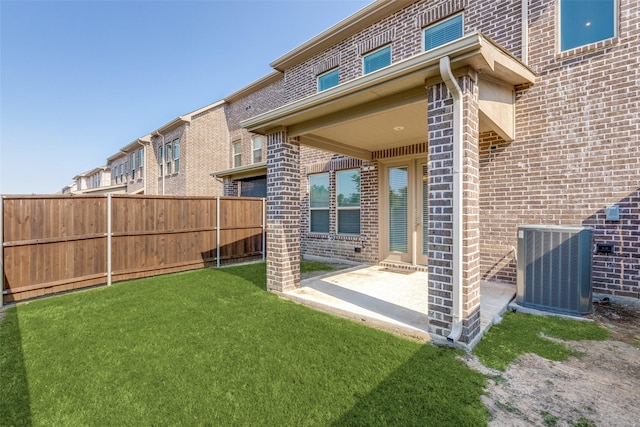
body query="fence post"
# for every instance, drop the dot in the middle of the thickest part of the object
(109, 239)
(1, 251)
(217, 231)
(264, 241)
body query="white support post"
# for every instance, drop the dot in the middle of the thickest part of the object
(109, 232)
(264, 217)
(217, 231)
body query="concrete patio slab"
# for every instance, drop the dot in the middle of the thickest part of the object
(388, 299)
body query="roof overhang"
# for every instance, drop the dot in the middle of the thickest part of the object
(135, 144)
(387, 108)
(255, 86)
(246, 171)
(349, 26)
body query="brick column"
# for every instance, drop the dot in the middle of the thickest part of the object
(283, 212)
(441, 138)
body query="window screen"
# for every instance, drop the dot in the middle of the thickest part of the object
(319, 203)
(376, 60)
(328, 80)
(348, 201)
(443, 32)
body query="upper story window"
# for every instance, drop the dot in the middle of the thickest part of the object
(319, 203)
(376, 60)
(176, 155)
(348, 201)
(257, 148)
(328, 79)
(237, 154)
(141, 158)
(167, 157)
(133, 165)
(583, 22)
(160, 158)
(443, 32)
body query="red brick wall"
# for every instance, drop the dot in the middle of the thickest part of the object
(576, 151)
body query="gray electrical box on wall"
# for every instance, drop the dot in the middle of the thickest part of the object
(554, 268)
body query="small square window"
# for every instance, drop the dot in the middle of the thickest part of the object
(583, 22)
(443, 32)
(328, 79)
(377, 60)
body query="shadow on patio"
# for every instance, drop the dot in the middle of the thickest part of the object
(395, 301)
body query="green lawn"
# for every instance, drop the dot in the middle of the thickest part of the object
(521, 333)
(212, 347)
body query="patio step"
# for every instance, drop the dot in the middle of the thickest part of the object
(401, 267)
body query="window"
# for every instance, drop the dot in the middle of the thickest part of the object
(237, 154)
(328, 80)
(176, 155)
(160, 158)
(348, 201)
(586, 21)
(133, 165)
(319, 203)
(167, 157)
(376, 60)
(443, 32)
(141, 158)
(257, 148)
(121, 173)
(253, 187)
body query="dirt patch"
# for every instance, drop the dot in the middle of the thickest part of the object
(621, 316)
(598, 388)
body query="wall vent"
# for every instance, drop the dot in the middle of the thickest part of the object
(554, 268)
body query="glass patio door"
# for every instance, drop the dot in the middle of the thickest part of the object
(406, 202)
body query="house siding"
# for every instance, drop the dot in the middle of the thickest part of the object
(576, 152)
(576, 148)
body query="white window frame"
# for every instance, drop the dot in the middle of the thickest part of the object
(236, 154)
(254, 139)
(616, 26)
(322, 208)
(344, 208)
(387, 46)
(424, 30)
(176, 155)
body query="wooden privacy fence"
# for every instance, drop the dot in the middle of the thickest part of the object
(53, 244)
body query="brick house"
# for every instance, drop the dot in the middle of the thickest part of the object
(184, 150)
(246, 174)
(95, 181)
(422, 134)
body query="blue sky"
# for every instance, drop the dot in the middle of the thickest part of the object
(81, 79)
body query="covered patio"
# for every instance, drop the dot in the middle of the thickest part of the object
(419, 118)
(390, 299)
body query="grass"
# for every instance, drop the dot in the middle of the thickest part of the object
(212, 347)
(520, 333)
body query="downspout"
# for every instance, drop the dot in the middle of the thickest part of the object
(456, 92)
(144, 170)
(525, 32)
(162, 160)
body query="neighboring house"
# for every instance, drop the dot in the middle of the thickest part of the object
(94, 181)
(186, 150)
(246, 173)
(422, 134)
(129, 166)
